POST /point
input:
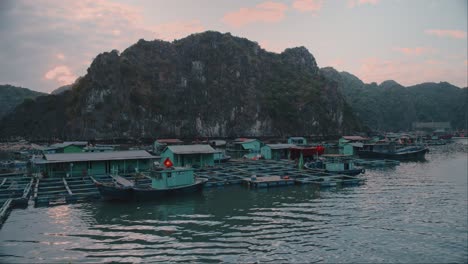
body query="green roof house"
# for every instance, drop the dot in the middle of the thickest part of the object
(93, 163)
(189, 155)
(276, 151)
(66, 147)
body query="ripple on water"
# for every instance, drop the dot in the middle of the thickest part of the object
(415, 212)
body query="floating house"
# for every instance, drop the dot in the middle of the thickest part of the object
(160, 144)
(297, 140)
(100, 148)
(189, 155)
(247, 144)
(93, 163)
(348, 145)
(276, 151)
(66, 147)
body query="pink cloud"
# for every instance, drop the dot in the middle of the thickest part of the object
(61, 75)
(60, 56)
(415, 51)
(408, 72)
(353, 3)
(308, 5)
(266, 12)
(457, 34)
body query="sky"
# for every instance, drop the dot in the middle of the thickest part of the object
(45, 44)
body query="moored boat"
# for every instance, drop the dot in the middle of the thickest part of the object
(392, 151)
(335, 163)
(163, 182)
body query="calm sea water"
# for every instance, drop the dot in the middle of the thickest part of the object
(414, 213)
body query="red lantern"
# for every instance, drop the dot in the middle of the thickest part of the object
(168, 163)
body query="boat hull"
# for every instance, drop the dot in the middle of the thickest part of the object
(413, 155)
(116, 192)
(143, 194)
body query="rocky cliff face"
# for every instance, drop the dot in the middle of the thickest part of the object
(393, 107)
(207, 84)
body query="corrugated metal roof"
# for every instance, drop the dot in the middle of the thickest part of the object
(192, 149)
(280, 146)
(355, 138)
(68, 143)
(244, 141)
(95, 156)
(169, 140)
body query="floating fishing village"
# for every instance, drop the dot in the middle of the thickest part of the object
(80, 171)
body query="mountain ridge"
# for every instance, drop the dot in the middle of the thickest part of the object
(207, 84)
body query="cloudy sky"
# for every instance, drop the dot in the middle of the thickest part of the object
(45, 44)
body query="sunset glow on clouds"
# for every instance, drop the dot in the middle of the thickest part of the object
(457, 34)
(415, 51)
(49, 43)
(61, 74)
(308, 5)
(265, 12)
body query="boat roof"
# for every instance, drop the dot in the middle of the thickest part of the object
(192, 149)
(169, 140)
(94, 156)
(355, 138)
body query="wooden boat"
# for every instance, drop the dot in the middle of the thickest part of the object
(117, 189)
(162, 182)
(392, 151)
(335, 163)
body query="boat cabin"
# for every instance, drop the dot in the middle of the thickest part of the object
(171, 178)
(189, 155)
(337, 162)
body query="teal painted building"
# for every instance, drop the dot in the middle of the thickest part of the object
(251, 145)
(93, 163)
(171, 178)
(297, 140)
(189, 155)
(276, 151)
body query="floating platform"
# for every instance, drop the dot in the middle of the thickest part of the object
(55, 191)
(14, 193)
(269, 173)
(268, 181)
(376, 163)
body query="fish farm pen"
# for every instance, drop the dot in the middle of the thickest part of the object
(20, 190)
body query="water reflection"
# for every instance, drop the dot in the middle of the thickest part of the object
(416, 212)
